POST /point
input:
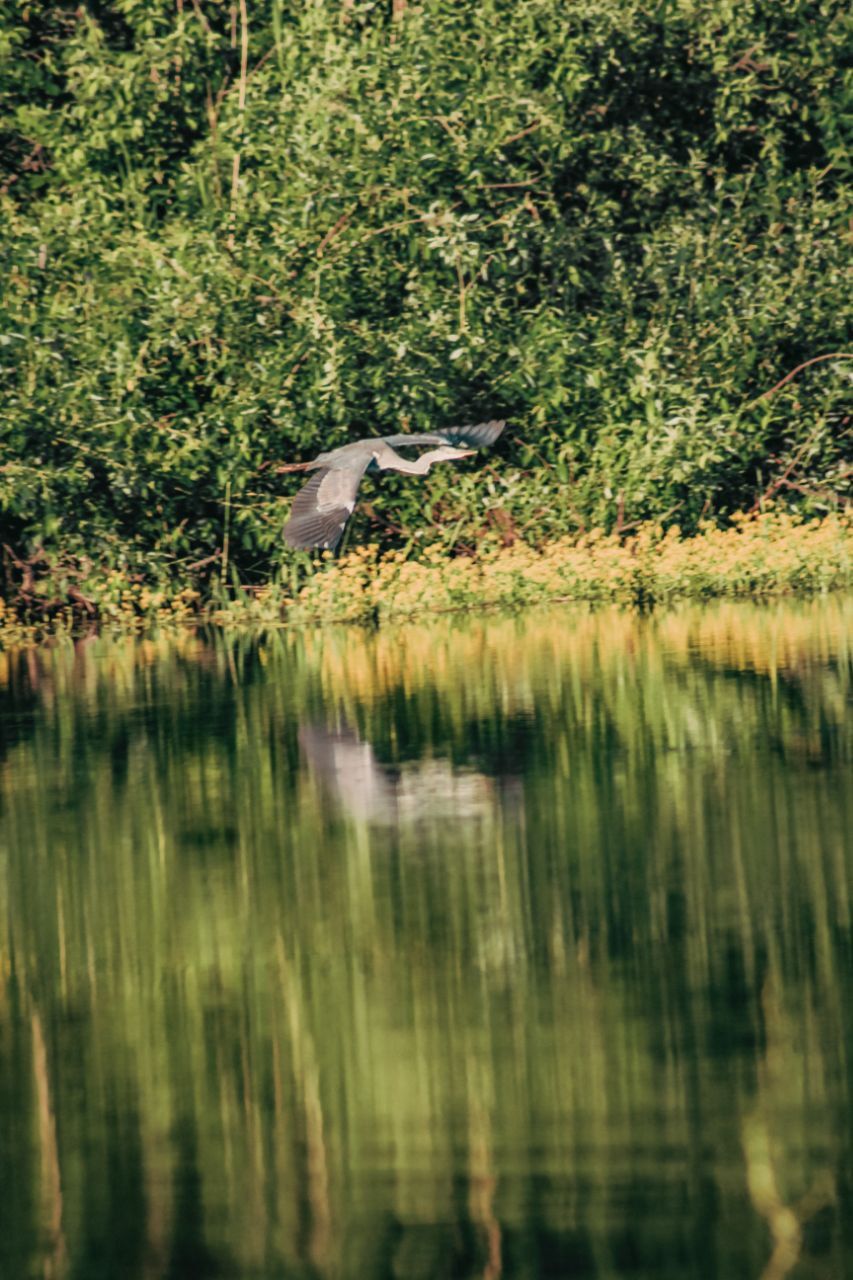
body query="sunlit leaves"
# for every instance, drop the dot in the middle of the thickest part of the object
(615, 229)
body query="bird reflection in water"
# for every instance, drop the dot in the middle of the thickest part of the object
(365, 790)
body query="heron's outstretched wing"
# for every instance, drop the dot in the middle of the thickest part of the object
(322, 507)
(478, 437)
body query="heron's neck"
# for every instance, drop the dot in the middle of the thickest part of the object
(392, 461)
(419, 467)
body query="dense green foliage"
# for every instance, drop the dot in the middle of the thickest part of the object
(615, 224)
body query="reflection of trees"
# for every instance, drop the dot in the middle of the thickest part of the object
(254, 1006)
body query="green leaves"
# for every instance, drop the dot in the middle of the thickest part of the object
(614, 230)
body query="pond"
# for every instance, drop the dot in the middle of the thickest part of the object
(487, 947)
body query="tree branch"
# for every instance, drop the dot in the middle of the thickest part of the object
(833, 355)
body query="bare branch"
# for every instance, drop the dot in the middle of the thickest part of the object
(833, 355)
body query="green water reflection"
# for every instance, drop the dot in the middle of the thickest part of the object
(496, 948)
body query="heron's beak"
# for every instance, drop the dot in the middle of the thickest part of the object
(291, 466)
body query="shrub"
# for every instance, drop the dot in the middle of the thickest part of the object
(616, 225)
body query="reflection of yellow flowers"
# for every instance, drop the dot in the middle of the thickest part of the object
(521, 653)
(515, 655)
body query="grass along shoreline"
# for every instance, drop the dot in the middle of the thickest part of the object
(769, 553)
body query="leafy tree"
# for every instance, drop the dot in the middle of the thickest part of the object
(235, 233)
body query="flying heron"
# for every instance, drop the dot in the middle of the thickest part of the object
(322, 507)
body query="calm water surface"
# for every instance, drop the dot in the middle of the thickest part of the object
(509, 947)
